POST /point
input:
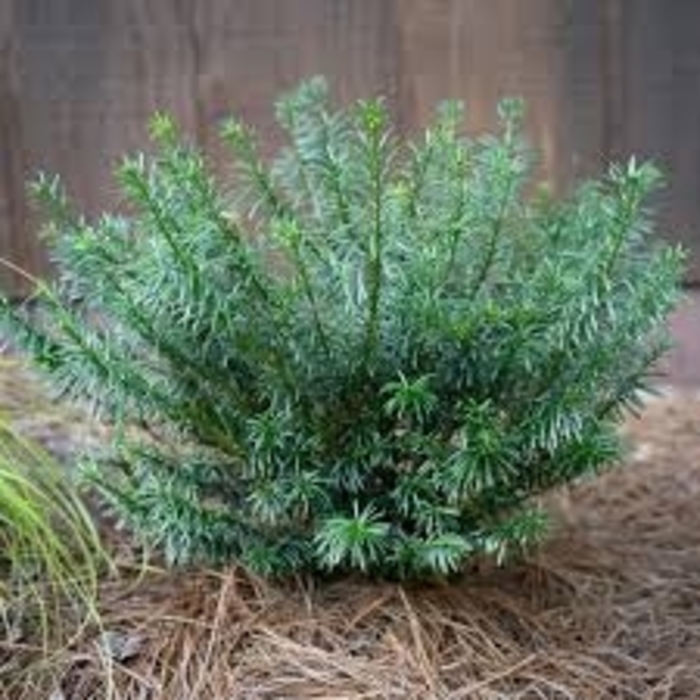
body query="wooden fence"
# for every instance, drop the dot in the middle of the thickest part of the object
(603, 79)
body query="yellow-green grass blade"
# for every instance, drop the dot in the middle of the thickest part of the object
(50, 550)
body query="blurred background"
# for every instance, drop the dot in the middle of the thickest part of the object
(603, 79)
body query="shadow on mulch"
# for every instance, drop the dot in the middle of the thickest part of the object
(609, 608)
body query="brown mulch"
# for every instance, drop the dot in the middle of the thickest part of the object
(609, 608)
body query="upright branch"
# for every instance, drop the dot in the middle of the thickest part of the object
(374, 140)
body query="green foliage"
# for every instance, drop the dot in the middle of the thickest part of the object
(50, 552)
(369, 354)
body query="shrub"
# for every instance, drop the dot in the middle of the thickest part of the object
(369, 354)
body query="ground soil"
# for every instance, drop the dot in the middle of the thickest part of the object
(608, 608)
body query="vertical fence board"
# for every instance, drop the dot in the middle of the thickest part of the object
(16, 243)
(554, 53)
(252, 50)
(91, 74)
(660, 106)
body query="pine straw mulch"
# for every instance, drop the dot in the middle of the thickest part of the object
(609, 608)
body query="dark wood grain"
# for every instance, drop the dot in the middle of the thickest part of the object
(660, 106)
(17, 244)
(602, 79)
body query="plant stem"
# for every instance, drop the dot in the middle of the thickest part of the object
(374, 253)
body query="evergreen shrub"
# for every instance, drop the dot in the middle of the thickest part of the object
(370, 353)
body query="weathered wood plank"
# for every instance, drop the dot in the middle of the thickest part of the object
(659, 95)
(92, 73)
(16, 242)
(461, 49)
(249, 52)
